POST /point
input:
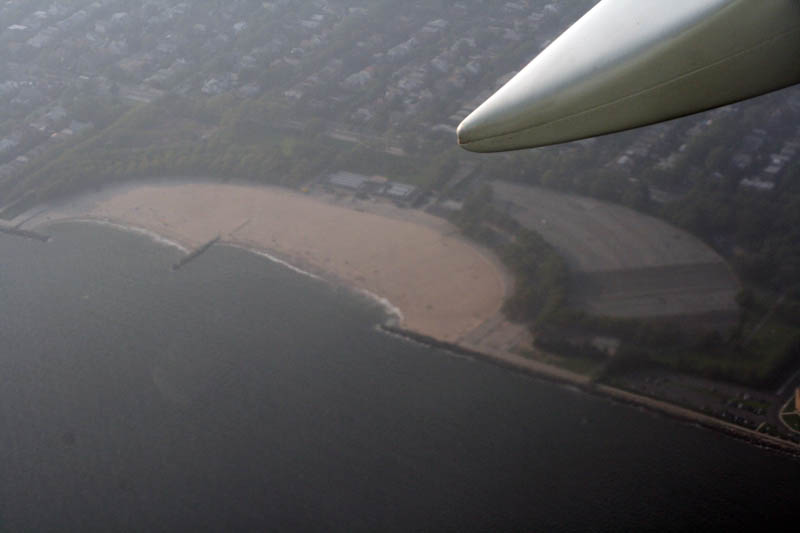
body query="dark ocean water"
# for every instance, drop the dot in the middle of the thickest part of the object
(235, 394)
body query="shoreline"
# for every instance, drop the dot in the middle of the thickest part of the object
(415, 266)
(529, 367)
(558, 376)
(395, 325)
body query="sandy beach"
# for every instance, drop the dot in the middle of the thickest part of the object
(442, 285)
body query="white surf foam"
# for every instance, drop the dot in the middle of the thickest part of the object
(276, 260)
(392, 310)
(155, 237)
(395, 314)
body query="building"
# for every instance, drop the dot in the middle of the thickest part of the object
(757, 184)
(400, 191)
(348, 180)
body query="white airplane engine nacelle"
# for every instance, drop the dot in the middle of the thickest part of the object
(629, 63)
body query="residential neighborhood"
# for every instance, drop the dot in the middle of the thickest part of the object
(413, 73)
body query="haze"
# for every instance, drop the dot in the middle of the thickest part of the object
(250, 281)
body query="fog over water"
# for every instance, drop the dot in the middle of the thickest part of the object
(236, 393)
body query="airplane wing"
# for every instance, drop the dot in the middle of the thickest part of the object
(629, 63)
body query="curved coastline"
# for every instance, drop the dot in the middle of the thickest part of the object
(415, 266)
(394, 314)
(269, 257)
(157, 238)
(397, 323)
(584, 384)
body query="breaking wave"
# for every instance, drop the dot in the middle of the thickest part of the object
(153, 236)
(277, 260)
(392, 310)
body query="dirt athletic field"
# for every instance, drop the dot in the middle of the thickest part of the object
(624, 263)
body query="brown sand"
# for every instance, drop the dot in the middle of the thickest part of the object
(444, 286)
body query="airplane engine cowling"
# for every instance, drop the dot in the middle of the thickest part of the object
(629, 63)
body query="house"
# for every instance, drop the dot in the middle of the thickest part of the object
(73, 21)
(120, 18)
(362, 114)
(358, 80)
(43, 38)
(7, 144)
(8, 87)
(402, 49)
(215, 86)
(515, 8)
(473, 68)
(741, 160)
(440, 63)
(757, 184)
(250, 90)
